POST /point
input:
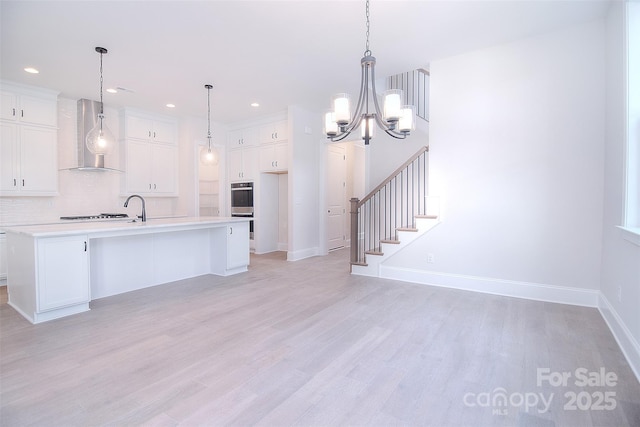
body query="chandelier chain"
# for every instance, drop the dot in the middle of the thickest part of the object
(367, 52)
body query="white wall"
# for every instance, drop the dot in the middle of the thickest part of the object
(517, 137)
(305, 142)
(620, 279)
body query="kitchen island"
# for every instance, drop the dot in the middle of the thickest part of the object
(55, 270)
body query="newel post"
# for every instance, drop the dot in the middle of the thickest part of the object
(354, 229)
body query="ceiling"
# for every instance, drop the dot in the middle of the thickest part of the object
(277, 53)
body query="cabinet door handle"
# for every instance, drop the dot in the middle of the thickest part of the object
(21, 113)
(85, 246)
(276, 135)
(149, 134)
(149, 186)
(154, 134)
(14, 112)
(23, 182)
(154, 187)
(276, 163)
(15, 183)
(230, 230)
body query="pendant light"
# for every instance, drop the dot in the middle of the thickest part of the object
(100, 140)
(396, 120)
(209, 155)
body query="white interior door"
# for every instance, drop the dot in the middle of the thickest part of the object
(336, 190)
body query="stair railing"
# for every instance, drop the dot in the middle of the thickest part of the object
(415, 87)
(390, 206)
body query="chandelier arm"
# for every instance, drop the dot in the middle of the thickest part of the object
(342, 135)
(396, 135)
(375, 99)
(363, 90)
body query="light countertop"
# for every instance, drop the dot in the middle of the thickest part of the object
(104, 228)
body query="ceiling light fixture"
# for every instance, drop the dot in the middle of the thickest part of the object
(31, 70)
(208, 156)
(100, 140)
(255, 104)
(171, 105)
(111, 90)
(396, 120)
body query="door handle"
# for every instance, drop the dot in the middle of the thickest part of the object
(85, 246)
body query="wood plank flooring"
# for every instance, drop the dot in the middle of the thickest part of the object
(307, 344)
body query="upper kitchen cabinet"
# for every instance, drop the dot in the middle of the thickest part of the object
(242, 138)
(149, 127)
(274, 132)
(28, 148)
(150, 154)
(29, 106)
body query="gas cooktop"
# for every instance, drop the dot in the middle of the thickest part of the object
(97, 216)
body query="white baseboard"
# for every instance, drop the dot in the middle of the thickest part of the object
(629, 346)
(510, 288)
(302, 254)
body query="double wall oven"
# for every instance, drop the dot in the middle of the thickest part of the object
(242, 202)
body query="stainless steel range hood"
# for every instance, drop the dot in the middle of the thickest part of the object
(87, 117)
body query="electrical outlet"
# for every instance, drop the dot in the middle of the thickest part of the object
(430, 258)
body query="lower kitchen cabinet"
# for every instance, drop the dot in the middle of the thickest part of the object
(237, 245)
(62, 272)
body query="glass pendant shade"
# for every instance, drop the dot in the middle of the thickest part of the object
(330, 125)
(392, 105)
(100, 140)
(342, 108)
(367, 126)
(407, 121)
(209, 156)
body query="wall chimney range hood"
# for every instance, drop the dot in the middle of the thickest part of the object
(87, 118)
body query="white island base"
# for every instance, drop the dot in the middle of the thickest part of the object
(56, 270)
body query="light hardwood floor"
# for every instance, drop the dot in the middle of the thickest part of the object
(306, 343)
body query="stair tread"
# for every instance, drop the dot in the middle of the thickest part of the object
(393, 242)
(407, 229)
(361, 264)
(374, 252)
(427, 216)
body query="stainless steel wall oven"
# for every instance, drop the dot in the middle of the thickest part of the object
(242, 202)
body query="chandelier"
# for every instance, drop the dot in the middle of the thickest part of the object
(209, 155)
(396, 120)
(100, 140)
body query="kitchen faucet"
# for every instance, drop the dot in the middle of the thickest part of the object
(144, 211)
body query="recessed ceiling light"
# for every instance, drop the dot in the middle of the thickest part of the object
(171, 106)
(255, 104)
(31, 70)
(111, 90)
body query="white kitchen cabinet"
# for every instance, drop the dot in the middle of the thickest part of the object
(242, 164)
(237, 245)
(28, 148)
(62, 272)
(28, 160)
(242, 138)
(273, 157)
(151, 169)
(28, 106)
(274, 132)
(149, 127)
(151, 154)
(3, 256)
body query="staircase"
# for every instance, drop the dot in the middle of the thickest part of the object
(391, 216)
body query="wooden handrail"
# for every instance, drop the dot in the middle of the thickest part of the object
(393, 175)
